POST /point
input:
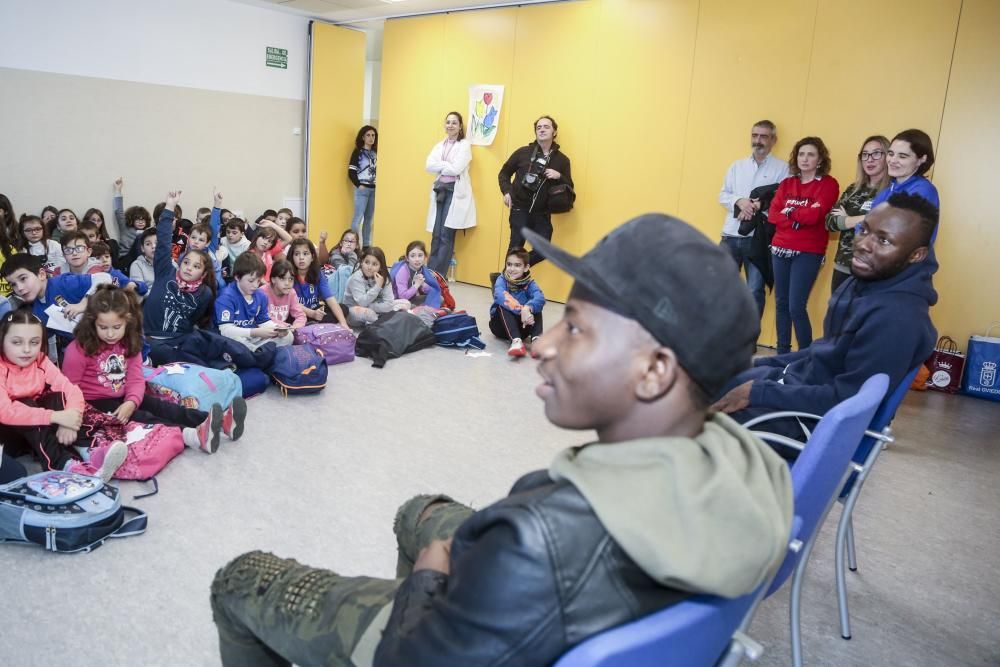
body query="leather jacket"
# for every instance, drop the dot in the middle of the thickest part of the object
(531, 576)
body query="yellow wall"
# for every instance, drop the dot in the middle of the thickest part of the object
(655, 99)
(968, 245)
(336, 102)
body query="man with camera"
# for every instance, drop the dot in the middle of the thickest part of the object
(536, 182)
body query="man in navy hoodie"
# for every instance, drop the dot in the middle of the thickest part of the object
(877, 322)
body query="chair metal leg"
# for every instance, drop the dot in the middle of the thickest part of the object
(794, 605)
(852, 556)
(839, 551)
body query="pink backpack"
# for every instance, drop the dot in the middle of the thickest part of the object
(333, 341)
(150, 446)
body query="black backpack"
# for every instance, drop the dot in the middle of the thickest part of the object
(392, 335)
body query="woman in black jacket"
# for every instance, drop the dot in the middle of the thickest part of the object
(361, 171)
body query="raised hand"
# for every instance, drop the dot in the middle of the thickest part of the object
(217, 198)
(173, 197)
(117, 185)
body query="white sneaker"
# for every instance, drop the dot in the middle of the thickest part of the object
(113, 460)
(516, 348)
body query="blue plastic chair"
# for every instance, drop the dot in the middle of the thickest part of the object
(708, 630)
(877, 438)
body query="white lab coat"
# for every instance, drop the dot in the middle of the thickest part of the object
(462, 213)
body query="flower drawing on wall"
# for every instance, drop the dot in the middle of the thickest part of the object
(484, 113)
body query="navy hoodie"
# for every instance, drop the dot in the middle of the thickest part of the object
(874, 327)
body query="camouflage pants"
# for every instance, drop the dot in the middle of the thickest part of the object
(273, 611)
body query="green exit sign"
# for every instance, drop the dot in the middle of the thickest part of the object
(277, 57)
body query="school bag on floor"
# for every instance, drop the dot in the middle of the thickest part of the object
(254, 381)
(333, 341)
(447, 300)
(458, 330)
(982, 368)
(65, 512)
(192, 386)
(150, 446)
(392, 335)
(299, 369)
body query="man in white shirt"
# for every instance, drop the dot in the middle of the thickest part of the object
(761, 168)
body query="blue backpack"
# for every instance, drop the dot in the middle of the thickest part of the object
(65, 512)
(299, 369)
(192, 386)
(458, 330)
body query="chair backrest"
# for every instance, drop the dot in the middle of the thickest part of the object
(819, 472)
(692, 633)
(885, 414)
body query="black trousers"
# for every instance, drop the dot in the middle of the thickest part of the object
(520, 219)
(155, 411)
(40, 440)
(507, 325)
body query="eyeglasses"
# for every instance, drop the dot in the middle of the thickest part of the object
(865, 156)
(32, 230)
(74, 250)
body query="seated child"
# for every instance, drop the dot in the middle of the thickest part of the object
(413, 281)
(234, 242)
(39, 406)
(669, 500)
(284, 217)
(77, 251)
(101, 254)
(180, 297)
(266, 246)
(369, 292)
(282, 302)
(516, 313)
(344, 254)
(105, 362)
(178, 231)
(142, 268)
(241, 311)
(311, 286)
(35, 289)
(131, 222)
(66, 221)
(296, 229)
(96, 232)
(200, 238)
(34, 239)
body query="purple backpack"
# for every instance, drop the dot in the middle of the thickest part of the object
(333, 341)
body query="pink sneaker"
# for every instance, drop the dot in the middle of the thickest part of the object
(233, 418)
(205, 436)
(516, 349)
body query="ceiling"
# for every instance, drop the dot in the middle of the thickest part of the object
(350, 11)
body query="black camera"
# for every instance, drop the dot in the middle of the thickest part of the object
(531, 181)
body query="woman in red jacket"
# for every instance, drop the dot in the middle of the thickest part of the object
(798, 249)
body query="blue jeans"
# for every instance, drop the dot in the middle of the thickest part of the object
(793, 280)
(442, 238)
(364, 211)
(740, 247)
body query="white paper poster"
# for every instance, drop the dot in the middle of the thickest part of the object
(484, 113)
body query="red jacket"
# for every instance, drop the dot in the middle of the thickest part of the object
(18, 383)
(799, 212)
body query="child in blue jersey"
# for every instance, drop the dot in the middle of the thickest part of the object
(36, 289)
(241, 311)
(516, 313)
(311, 286)
(181, 297)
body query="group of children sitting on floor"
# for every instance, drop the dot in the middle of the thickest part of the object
(71, 303)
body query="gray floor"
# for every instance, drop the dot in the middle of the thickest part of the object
(319, 478)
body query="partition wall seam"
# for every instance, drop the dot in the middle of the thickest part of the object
(687, 116)
(947, 83)
(501, 248)
(812, 53)
(308, 125)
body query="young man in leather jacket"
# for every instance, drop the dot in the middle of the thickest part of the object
(669, 500)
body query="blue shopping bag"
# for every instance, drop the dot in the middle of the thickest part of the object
(982, 365)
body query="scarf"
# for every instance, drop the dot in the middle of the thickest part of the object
(188, 287)
(519, 284)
